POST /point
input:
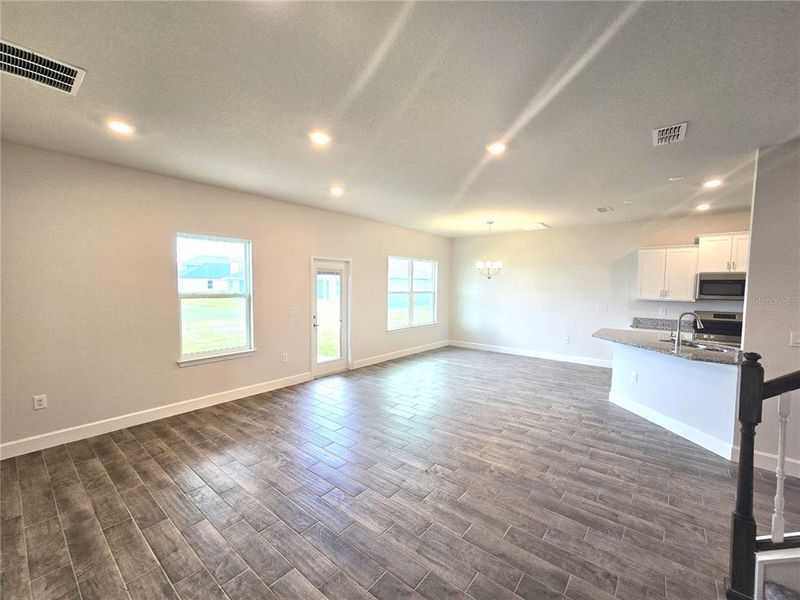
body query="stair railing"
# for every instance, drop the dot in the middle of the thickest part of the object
(753, 390)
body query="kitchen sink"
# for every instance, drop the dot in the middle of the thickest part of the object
(701, 346)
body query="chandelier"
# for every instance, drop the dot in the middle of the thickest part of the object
(489, 268)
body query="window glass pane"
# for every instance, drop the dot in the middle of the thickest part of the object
(211, 266)
(399, 275)
(398, 311)
(423, 275)
(423, 308)
(209, 324)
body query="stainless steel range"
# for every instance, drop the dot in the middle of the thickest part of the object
(720, 327)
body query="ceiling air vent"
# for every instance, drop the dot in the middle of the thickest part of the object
(604, 209)
(669, 134)
(25, 63)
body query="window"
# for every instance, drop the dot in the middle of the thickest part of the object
(215, 298)
(412, 292)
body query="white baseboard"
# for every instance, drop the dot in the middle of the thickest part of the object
(571, 358)
(717, 446)
(79, 432)
(379, 358)
(769, 462)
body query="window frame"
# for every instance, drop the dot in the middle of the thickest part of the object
(411, 293)
(249, 349)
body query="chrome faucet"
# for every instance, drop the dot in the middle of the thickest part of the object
(678, 331)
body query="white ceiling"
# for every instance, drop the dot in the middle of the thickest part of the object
(226, 93)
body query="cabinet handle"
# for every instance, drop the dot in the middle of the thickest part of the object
(734, 266)
(729, 265)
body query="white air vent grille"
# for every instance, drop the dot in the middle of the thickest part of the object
(604, 209)
(25, 63)
(669, 134)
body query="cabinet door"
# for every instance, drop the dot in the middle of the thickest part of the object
(715, 254)
(740, 253)
(680, 274)
(650, 283)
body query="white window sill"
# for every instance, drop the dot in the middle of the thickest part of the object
(190, 362)
(399, 329)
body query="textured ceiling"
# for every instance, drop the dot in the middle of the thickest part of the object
(226, 93)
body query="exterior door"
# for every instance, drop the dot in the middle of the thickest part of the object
(330, 333)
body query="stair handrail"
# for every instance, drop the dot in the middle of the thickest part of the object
(753, 390)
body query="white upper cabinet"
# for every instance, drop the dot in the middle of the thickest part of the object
(680, 274)
(667, 273)
(652, 264)
(715, 253)
(724, 252)
(740, 252)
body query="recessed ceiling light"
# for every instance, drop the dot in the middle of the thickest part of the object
(627, 202)
(535, 227)
(119, 127)
(319, 138)
(702, 207)
(496, 148)
(676, 178)
(712, 183)
(337, 190)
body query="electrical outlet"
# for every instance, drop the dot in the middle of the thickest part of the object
(794, 339)
(39, 402)
(662, 312)
(293, 310)
(634, 377)
(565, 339)
(285, 357)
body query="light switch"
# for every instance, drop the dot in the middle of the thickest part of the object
(293, 310)
(794, 339)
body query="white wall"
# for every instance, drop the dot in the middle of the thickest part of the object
(773, 288)
(89, 301)
(554, 280)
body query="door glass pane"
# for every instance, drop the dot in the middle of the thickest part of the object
(398, 310)
(423, 275)
(399, 276)
(213, 324)
(423, 308)
(329, 316)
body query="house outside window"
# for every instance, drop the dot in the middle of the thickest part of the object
(214, 289)
(411, 295)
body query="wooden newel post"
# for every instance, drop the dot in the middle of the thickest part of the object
(743, 525)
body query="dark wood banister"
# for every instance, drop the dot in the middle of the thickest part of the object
(753, 390)
(781, 385)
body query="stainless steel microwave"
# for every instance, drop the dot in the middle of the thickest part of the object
(721, 286)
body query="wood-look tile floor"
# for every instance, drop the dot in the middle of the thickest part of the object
(451, 474)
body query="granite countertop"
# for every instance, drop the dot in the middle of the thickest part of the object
(656, 323)
(651, 340)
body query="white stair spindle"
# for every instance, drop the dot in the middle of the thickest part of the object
(778, 523)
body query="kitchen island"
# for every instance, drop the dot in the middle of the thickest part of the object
(692, 394)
